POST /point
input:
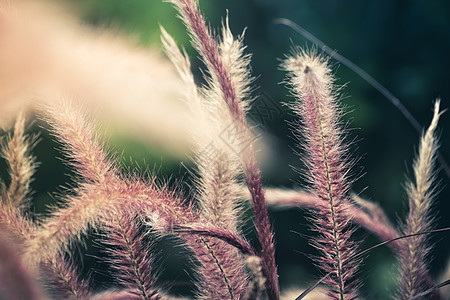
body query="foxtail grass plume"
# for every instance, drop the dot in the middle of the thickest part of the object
(130, 256)
(414, 277)
(13, 213)
(219, 169)
(229, 81)
(62, 274)
(100, 192)
(16, 149)
(123, 206)
(327, 167)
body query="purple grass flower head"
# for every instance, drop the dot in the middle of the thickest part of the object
(63, 280)
(327, 167)
(130, 256)
(206, 215)
(230, 82)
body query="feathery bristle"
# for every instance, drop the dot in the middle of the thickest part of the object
(16, 150)
(414, 277)
(62, 277)
(229, 89)
(229, 82)
(312, 84)
(131, 258)
(81, 144)
(100, 191)
(219, 277)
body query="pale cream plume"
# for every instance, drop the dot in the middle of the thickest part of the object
(219, 167)
(137, 89)
(414, 276)
(16, 150)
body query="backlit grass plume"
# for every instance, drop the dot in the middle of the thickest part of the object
(414, 277)
(130, 257)
(219, 169)
(132, 214)
(228, 80)
(327, 168)
(16, 149)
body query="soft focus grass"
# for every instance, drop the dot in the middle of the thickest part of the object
(402, 44)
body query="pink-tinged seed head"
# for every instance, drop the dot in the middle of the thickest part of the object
(327, 168)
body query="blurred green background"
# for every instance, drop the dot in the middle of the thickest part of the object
(405, 45)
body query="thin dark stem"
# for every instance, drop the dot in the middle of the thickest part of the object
(220, 234)
(209, 50)
(401, 237)
(311, 288)
(431, 290)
